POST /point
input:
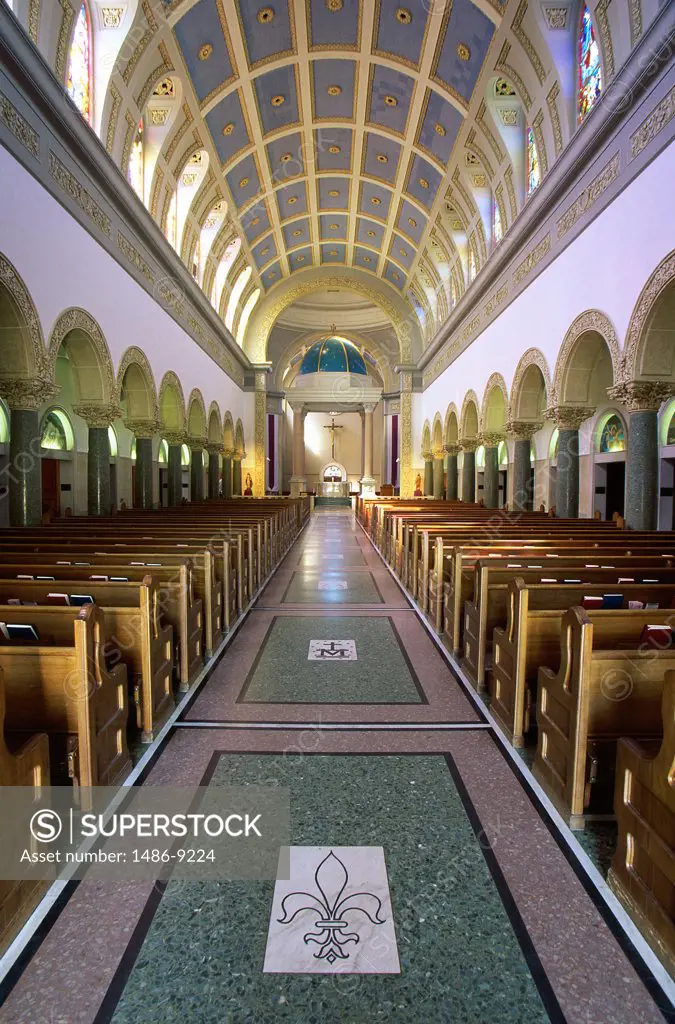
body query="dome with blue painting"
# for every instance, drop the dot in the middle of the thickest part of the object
(333, 355)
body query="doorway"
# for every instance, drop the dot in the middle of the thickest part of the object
(51, 486)
(610, 485)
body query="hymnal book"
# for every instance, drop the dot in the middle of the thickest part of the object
(79, 599)
(658, 636)
(13, 600)
(650, 581)
(651, 606)
(81, 563)
(513, 565)
(100, 579)
(50, 578)
(18, 631)
(24, 576)
(153, 565)
(591, 565)
(635, 606)
(591, 601)
(626, 579)
(546, 579)
(612, 600)
(119, 579)
(58, 599)
(61, 561)
(136, 563)
(535, 567)
(571, 581)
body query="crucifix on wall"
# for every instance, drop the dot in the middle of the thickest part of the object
(332, 429)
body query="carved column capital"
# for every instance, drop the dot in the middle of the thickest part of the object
(27, 393)
(228, 453)
(569, 417)
(369, 408)
(214, 447)
(642, 395)
(175, 437)
(451, 449)
(142, 428)
(468, 444)
(97, 415)
(522, 430)
(196, 442)
(492, 438)
(239, 455)
(427, 456)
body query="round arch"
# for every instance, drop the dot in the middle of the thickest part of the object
(136, 389)
(531, 390)
(426, 440)
(437, 435)
(23, 344)
(215, 424)
(239, 440)
(451, 426)
(171, 403)
(646, 355)
(228, 431)
(468, 420)
(196, 416)
(494, 408)
(76, 332)
(589, 361)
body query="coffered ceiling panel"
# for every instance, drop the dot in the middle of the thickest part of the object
(335, 121)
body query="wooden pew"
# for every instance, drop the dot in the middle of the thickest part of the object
(68, 693)
(531, 638)
(134, 635)
(600, 693)
(26, 764)
(488, 609)
(643, 869)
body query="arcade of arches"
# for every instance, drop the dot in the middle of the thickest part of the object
(269, 273)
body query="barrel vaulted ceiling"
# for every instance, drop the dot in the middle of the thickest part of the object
(367, 138)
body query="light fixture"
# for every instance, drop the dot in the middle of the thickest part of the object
(205, 51)
(229, 128)
(265, 15)
(278, 100)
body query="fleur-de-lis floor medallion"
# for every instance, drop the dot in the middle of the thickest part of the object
(333, 914)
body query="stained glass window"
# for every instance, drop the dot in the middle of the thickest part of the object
(590, 75)
(533, 171)
(53, 433)
(612, 438)
(496, 223)
(79, 65)
(136, 164)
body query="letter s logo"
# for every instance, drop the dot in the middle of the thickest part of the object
(46, 826)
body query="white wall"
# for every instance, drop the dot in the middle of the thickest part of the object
(63, 266)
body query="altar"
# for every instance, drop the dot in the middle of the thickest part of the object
(333, 482)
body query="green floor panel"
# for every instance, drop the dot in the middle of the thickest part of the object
(282, 672)
(201, 961)
(304, 588)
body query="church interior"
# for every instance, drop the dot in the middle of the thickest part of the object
(337, 499)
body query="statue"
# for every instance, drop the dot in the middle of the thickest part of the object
(418, 485)
(248, 490)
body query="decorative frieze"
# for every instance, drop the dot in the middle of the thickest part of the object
(556, 17)
(156, 189)
(112, 120)
(67, 20)
(34, 20)
(111, 17)
(471, 327)
(134, 256)
(589, 196)
(551, 102)
(602, 22)
(27, 393)
(531, 260)
(508, 116)
(508, 178)
(71, 186)
(661, 115)
(17, 124)
(496, 300)
(635, 11)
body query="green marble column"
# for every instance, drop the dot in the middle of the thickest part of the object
(451, 492)
(24, 471)
(214, 471)
(236, 476)
(98, 472)
(227, 473)
(143, 479)
(196, 473)
(428, 475)
(175, 468)
(567, 480)
(491, 477)
(522, 474)
(438, 470)
(469, 470)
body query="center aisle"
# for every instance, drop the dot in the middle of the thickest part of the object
(438, 889)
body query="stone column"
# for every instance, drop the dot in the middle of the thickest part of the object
(98, 418)
(568, 419)
(175, 441)
(236, 474)
(368, 480)
(298, 480)
(197, 445)
(214, 449)
(24, 472)
(437, 475)
(491, 441)
(428, 488)
(468, 446)
(228, 455)
(451, 451)
(643, 399)
(522, 432)
(143, 431)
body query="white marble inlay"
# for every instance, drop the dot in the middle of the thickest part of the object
(332, 584)
(333, 914)
(332, 650)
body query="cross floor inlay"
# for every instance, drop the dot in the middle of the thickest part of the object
(332, 650)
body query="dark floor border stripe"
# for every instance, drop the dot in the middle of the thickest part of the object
(527, 947)
(124, 968)
(275, 725)
(15, 972)
(590, 888)
(121, 976)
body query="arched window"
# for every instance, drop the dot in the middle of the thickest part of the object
(533, 170)
(4, 425)
(612, 438)
(588, 59)
(245, 314)
(163, 453)
(57, 433)
(136, 163)
(502, 454)
(238, 288)
(112, 442)
(79, 80)
(553, 444)
(496, 222)
(480, 457)
(184, 455)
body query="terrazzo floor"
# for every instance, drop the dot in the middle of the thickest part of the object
(481, 912)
